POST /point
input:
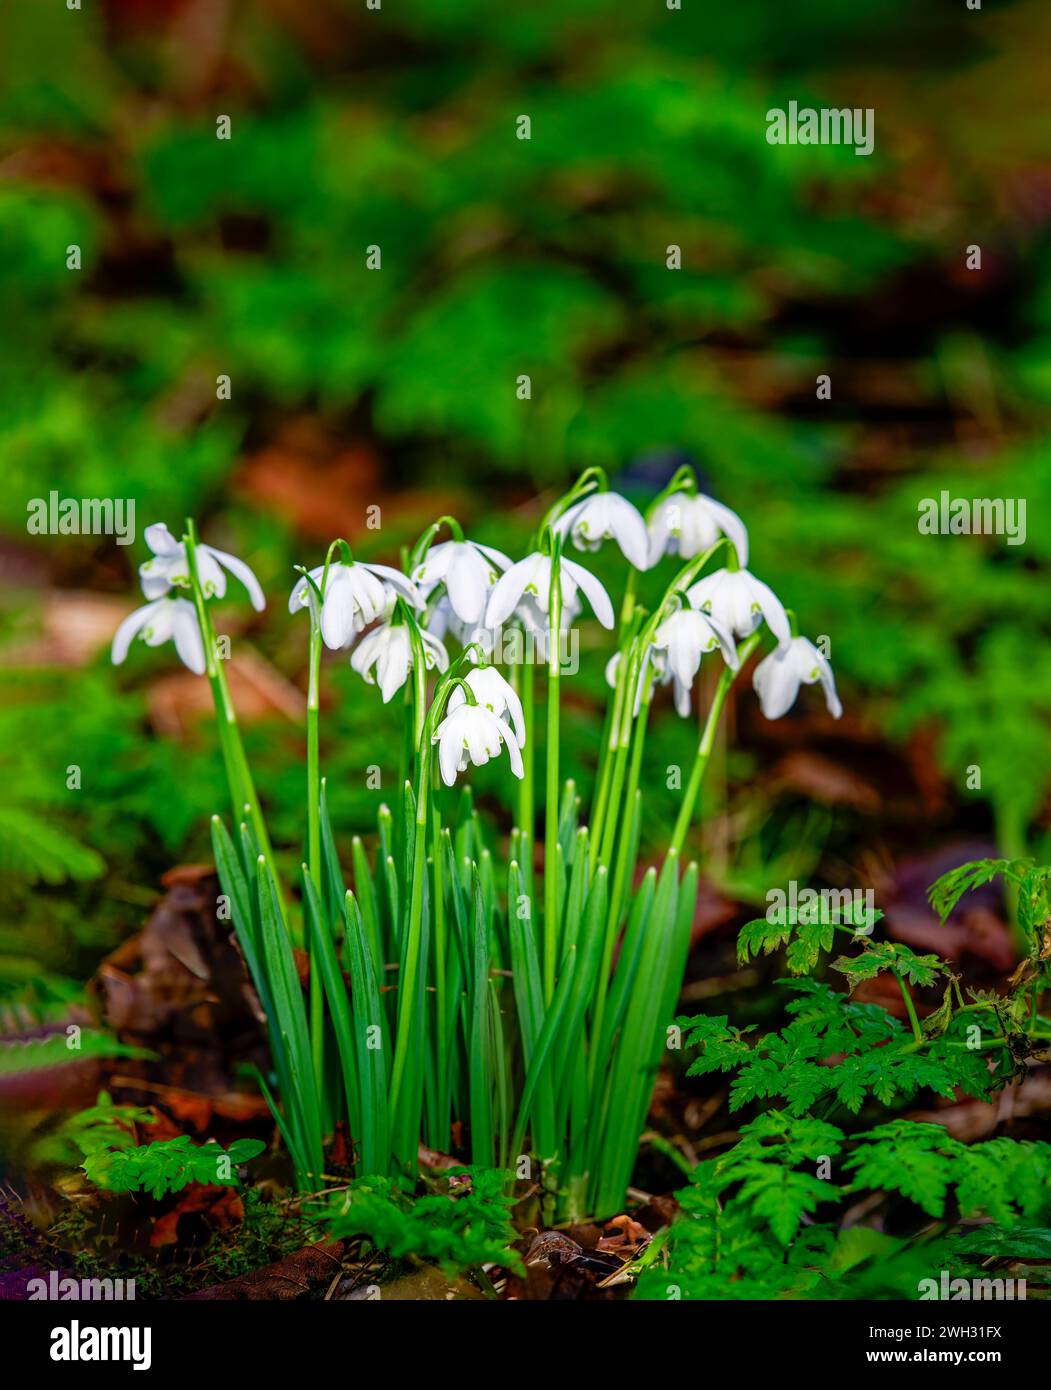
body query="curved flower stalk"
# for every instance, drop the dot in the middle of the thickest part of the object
(352, 595)
(170, 568)
(385, 656)
(740, 602)
(163, 620)
(778, 677)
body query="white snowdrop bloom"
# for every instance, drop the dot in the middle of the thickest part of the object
(473, 734)
(606, 516)
(678, 645)
(778, 677)
(738, 601)
(467, 570)
(170, 568)
(356, 594)
(495, 693)
(530, 579)
(688, 524)
(385, 656)
(163, 620)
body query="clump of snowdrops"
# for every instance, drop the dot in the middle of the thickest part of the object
(522, 991)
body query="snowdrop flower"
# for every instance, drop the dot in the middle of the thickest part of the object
(526, 588)
(170, 567)
(778, 677)
(740, 602)
(606, 516)
(688, 524)
(356, 595)
(494, 693)
(473, 734)
(163, 620)
(385, 656)
(678, 645)
(468, 571)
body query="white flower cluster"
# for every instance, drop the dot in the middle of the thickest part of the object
(170, 618)
(471, 591)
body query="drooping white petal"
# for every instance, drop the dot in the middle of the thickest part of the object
(161, 621)
(450, 744)
(160, 540)
(398, 582)
(514, 754)
(243, 572)
(772, 610)
(467, 583)
(511, 585)
(209, 572)
(340, 610)
(776, 682)
(434, 652)
(187, 634)
(729, 523)
(129, 628)
(778, 677)
(812, 666)
(606, 516)
(433, 567)
(153, 576)
(592, 589)
(302, 594)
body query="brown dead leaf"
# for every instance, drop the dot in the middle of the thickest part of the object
(220, 1208)
(286, 1279)
(180, 988)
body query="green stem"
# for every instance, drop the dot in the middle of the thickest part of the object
(411, 959)
(441, 1003)
(620, 745)
(237, 771)
(526, 812)
(607, 754)
(704, 748)
(619, 884)
(551, 805)
(317, 998)
(910, 1007)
